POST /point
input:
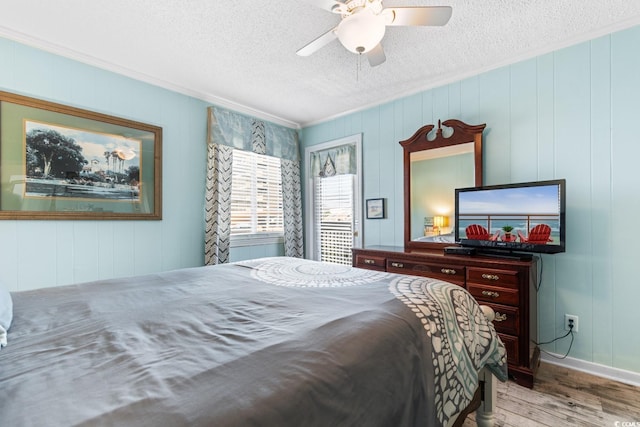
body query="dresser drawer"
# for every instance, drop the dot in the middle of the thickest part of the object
(449, 273)
(507, 319)
(507, 296)
(371, 262)
(492, 277)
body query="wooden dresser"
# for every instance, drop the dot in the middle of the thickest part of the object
(506, 285)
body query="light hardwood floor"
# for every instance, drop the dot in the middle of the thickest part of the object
(564, 397)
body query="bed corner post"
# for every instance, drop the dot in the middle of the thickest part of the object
(485, 416)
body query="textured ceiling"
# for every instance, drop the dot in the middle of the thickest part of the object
(241, 54)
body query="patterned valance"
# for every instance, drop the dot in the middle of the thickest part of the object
(334, 161)
(250, 134)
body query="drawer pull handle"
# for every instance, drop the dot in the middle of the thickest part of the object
(448, 271)
(491, 276)
(369, 261)
(500, 317)
(397, 264)
(490, 294)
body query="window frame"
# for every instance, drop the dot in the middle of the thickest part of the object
(309, 235)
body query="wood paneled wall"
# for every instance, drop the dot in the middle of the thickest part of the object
(571, 114)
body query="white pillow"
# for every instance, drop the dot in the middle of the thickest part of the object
(6, 314)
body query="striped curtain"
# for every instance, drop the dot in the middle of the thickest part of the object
(292, 208)
(217, 233)
(228, 130)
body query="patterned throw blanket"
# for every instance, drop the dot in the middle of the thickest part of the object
(463, 341)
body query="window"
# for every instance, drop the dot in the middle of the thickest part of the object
(256, 199)
(334, 218)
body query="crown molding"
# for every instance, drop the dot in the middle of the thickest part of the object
(244, 109)
(456, 77)
(118, 69)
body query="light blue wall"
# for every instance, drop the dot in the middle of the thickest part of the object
(570, 114)
(36, 254)
(47, 253)
(251, 252)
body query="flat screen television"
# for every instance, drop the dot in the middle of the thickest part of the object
(523, 217)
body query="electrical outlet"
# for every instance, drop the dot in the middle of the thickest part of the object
(570, 319)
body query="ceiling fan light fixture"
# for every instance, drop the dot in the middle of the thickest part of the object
(361, 32)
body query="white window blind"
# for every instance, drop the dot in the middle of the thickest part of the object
(334, 218)
(256, 195)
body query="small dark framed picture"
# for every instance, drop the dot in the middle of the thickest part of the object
(376, 209)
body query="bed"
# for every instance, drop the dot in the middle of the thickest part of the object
(439, 238)
(267, 342)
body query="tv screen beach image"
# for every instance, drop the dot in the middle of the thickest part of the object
(512, 211)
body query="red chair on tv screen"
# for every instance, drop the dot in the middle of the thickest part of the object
(539, 235)
(477, 232)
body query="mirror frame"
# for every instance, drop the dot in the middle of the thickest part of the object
(462, 134)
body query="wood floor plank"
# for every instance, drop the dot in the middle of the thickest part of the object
(562, 396)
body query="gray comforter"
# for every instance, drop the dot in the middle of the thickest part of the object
(269, 342)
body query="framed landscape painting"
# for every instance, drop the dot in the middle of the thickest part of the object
(60, 162)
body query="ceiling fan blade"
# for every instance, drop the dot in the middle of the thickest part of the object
(376, 56)
(318, 43)
(416, 16)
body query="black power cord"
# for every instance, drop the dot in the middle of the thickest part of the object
(540, 274)
(556, 339)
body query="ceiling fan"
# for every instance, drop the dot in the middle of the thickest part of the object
(364, 23)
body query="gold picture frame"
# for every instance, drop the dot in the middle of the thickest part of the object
(62, 162)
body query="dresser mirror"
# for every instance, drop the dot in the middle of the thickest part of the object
(436, 162)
